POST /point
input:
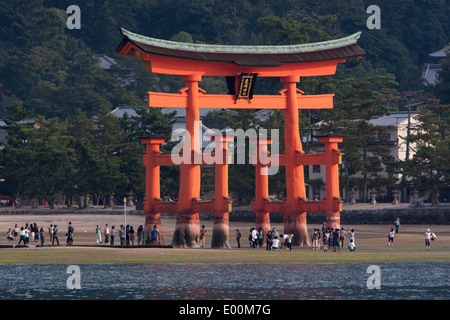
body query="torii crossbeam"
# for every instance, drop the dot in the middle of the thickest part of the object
(289, 63)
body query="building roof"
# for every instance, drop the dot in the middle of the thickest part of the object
(105, 61)
(441, 53)
(264, 56)
(392, 120)
(430, 73)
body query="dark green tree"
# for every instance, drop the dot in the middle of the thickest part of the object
(428, 169)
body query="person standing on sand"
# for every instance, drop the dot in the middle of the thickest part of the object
(203, 233)
(55, 235)
(254, 238)
(238, 237)
(16, 232)
(342, 235)
(98, 234)
(154, 235)
(113, 233)
(336, 244)
(132, 235)
(140, 230)
(70, 231)
(50, 233)
(289, 241)
(427, 240)
(122, 235)
(42, 234)
(326, 240)
(315, 239)
(269, 240)
(22, 236)
(107, 233)
(391, 238)
(352, 236)
(397, 224)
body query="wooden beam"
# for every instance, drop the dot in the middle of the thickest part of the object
(219, 101)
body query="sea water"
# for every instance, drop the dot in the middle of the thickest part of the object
(264, 281)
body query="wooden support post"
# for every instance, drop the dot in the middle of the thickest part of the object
(222, 202)
(152, 185)
(262, 216)
(332, 157)
(294, 216)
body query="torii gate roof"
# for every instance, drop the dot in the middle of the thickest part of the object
(262, 56)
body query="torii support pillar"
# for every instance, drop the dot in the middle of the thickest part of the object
(332, 161)
(262, 216)
(294, 217)
(222, 202)
(152, 185)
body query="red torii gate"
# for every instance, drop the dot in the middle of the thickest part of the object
(192, 62)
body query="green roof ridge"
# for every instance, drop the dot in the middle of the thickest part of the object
(261, 49)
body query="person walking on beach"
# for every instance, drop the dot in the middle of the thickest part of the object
(22, 236)
(238, 237)
(391, 238)
(55, 235)
(98, 234)
(397, 224)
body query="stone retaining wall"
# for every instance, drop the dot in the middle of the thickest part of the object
(425, 215)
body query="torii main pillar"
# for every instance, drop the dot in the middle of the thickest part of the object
(187, 227)
(294, 217)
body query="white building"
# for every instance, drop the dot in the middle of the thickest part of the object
(396, 124)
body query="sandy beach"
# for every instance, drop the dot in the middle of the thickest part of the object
(371, 241)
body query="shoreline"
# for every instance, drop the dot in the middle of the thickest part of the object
(371, 241)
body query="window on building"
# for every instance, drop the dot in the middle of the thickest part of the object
(316, 168)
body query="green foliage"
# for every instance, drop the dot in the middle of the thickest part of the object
(49, 71)
(428, 169)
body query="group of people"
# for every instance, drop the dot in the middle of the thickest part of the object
(127, 235)
(33, 233)
(274, 240)
(332, 237)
